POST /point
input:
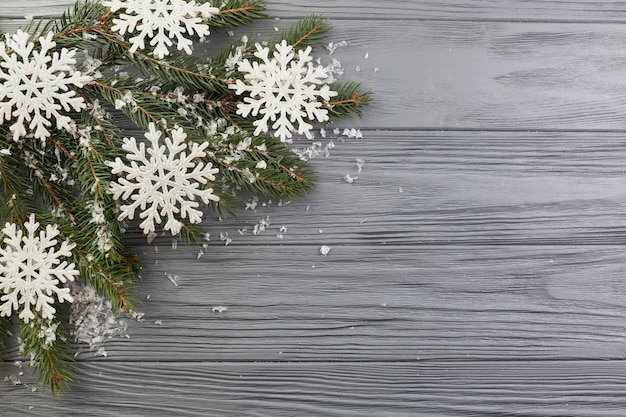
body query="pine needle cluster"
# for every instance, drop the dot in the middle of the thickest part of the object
(65, 180)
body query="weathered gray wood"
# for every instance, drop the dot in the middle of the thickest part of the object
(485, 75)
(446, 389)
(454, 187)
(516, 10)
(379, 303)
(471, 273)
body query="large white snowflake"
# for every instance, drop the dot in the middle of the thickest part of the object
(31, 270)
(161, 21)
(36, 86)
(285, 87)
(162, 178)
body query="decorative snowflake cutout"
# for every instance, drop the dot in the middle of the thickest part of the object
(36, 86)
(285, 87)
(31, 270)
(157, 183)
(168, 18)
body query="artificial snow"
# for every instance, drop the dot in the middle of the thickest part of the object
(325, 250)
(94, 320)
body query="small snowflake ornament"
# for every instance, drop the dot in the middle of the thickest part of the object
(160, 21)
(163, 180)
(31, 270)
(283, 86)
(36, 86)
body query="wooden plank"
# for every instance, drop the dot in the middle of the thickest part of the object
(440, 389)
(379, 303)
(468, 75)
(517, 10)
(449, 187)
(477, 75)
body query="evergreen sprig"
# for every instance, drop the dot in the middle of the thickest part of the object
(65, 180)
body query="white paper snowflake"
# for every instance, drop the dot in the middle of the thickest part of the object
(31, 270)
(162, 180)
(160, 21)
(285, 87)
(35, 86)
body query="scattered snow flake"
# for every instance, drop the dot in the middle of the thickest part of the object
(332, 46)
(252, 204)
(35, 87)
(283, 86)
(376, 69)
(367, 55)
(335, 67)
(150, 238)
(400, 189)
(353, 133)
(158, 322)
(31, 270)
(219, 309)
(347, 178)
(224, 238)
(261, 226)
(283, 229)
(119, 104)
(160, 21)
(358, 69)
(172, 278)
(384, 305)
(261, 165)
(162, 183)
(94, 320)
(359, 164)
(325, 250)
(48, 333)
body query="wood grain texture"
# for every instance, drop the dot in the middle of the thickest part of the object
(379, 303)
(477, 263)
(516, 10)
(484, 75)
(446, 389)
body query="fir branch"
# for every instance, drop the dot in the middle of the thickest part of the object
(148, 109)
(114, 281)
(305, 32)
(179, 90)
(285, 175)
(5, 324)
(349, 100)
(88, 16)
(179, 70)
(51, 354)
(16, 197)
(239, 13)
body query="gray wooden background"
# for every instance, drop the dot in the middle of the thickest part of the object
(478, 263)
